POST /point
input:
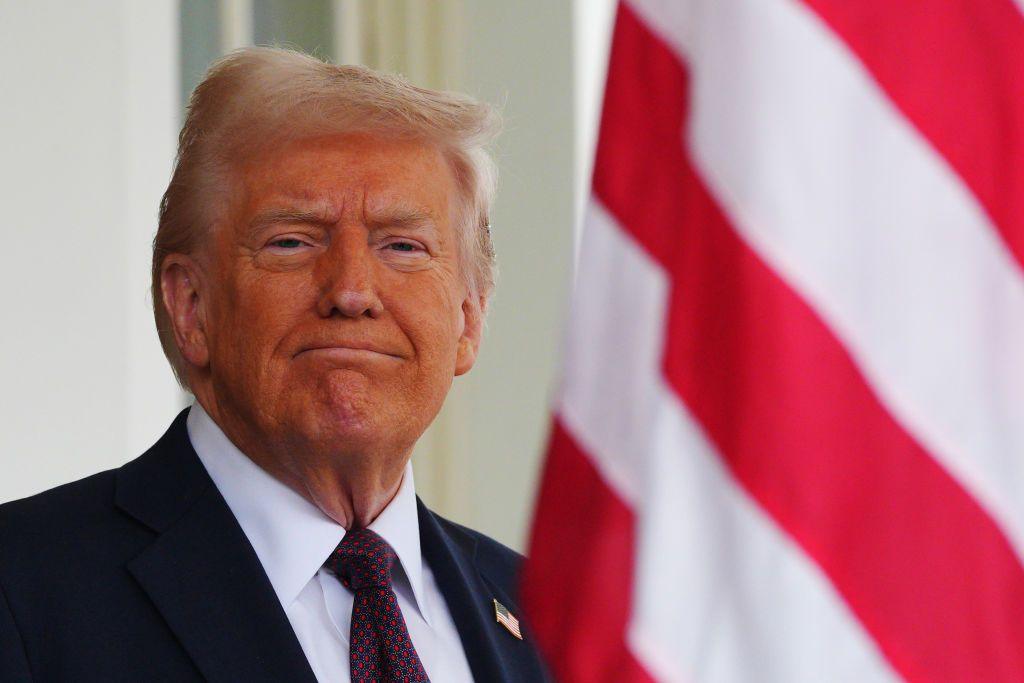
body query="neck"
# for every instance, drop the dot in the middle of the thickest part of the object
(350, 488)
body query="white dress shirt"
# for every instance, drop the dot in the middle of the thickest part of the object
(292, 538)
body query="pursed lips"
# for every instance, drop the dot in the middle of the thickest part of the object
(343, 350)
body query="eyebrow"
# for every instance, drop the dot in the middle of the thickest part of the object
(402, 218)
(282, 215)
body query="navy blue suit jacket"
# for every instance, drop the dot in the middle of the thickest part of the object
(142, 573)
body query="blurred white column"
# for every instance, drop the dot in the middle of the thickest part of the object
(348, 31)
(592, 28)
(235, 24)
(87, 135)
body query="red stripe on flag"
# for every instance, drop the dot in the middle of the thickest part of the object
(955, 68)
(577, 587)
(924, 568)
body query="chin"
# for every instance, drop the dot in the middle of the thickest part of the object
(346, 411)
(328, 431)
(340, 408)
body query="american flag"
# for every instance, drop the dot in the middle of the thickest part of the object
(788, 443)
(506, 619)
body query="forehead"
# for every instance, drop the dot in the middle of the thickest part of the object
(351, 174)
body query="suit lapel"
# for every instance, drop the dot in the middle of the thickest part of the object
(490, 650)
(201, 571)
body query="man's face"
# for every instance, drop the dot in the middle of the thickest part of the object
(337, 313)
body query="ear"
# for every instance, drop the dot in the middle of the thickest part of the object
(473, 309)
(184, 298)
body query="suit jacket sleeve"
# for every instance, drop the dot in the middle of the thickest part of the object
(13, 662)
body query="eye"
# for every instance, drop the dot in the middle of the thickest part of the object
(404, 246)
(287, 243)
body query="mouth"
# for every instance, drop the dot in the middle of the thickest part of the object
(347, 352)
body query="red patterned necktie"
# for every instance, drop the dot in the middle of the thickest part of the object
(380, 650)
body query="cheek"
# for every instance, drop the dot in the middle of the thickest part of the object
(431, 320)
(258, 314)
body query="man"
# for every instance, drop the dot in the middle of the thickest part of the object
(320, 275)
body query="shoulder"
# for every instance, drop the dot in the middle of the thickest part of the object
(69, 507)
(74, 523)
(86, 517)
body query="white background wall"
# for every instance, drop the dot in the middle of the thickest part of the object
(90, 112)
(87, 128)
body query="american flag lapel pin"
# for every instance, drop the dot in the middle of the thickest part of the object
(507, 619)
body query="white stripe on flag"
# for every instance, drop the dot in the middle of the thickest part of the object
(606, 398)
(722, 589)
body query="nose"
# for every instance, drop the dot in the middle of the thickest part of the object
(349, 287)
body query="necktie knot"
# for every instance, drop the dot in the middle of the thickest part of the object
(362, 560)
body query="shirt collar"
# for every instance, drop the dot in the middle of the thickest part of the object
(291, 536)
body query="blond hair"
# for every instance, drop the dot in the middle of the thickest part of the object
(258, 97)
